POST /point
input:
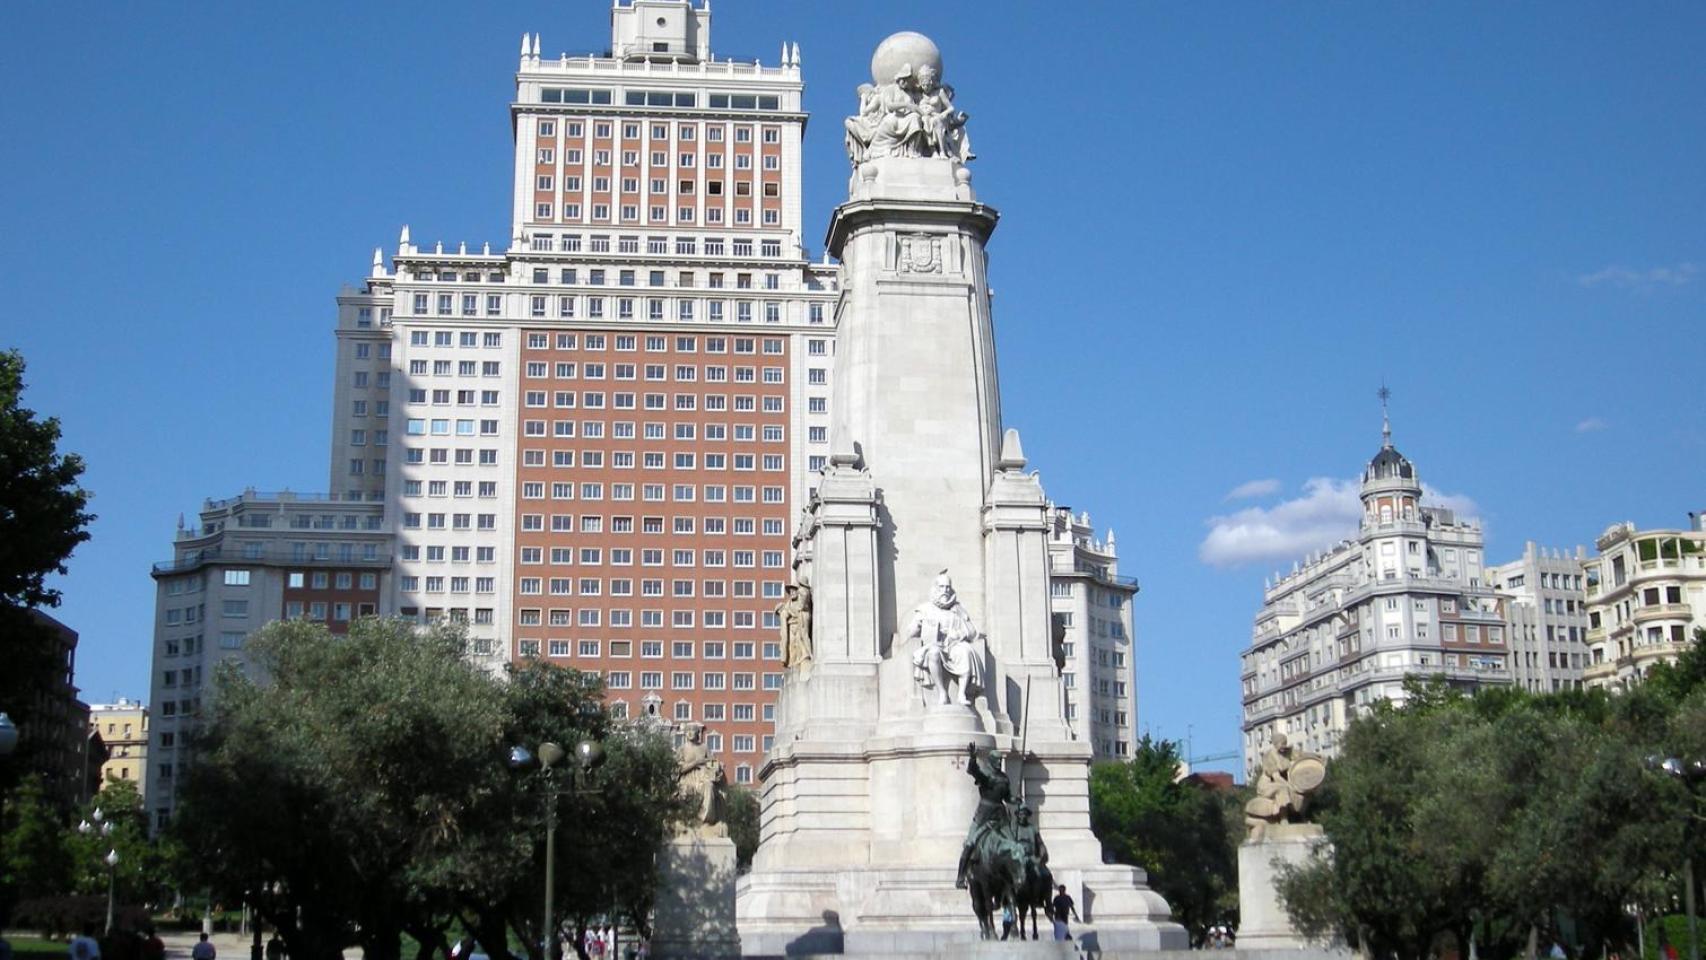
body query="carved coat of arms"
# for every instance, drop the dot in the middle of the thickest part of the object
(920, 253)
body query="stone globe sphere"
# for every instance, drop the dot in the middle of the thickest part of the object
(904, 51)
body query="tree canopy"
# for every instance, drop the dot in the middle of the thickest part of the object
(42, 520)
(1510, 819)
(362, 792)
(1184, 835)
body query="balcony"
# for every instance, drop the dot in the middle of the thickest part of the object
(267, 556)
(1663, 611)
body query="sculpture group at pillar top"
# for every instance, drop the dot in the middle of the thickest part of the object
(907, 111)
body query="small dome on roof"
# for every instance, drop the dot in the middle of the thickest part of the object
(1388, 464)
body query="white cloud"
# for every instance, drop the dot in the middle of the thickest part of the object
(1457, 503)
(1254, 488)
(1592, 425)
(1328, 511)
(1640, 281)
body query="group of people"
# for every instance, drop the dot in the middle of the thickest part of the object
(143, 944)
(1061, 909)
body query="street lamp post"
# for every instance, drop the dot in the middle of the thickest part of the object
(104, 827)
(588, 754)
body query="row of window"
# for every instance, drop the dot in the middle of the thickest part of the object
(656, 343)
(630, 213)
(654, 372)
(647, 460)
(624, 587)
(622, 618)
(323, 611)
(654, 649)
(652, 557)
(575, 157)
(322, 580)
(594, 308)
(685, 431)
(631, 130)
(598, 276)
(414, 584)
(654, 493)
(463, 368)
(630, 244)
(711, 526)
(435, 553)
(624, 400)
(488, 489)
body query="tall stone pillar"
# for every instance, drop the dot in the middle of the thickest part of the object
(915, 381)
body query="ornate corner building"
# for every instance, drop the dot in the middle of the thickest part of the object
(1408, 597)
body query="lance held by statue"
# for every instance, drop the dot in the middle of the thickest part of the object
(1004, 862)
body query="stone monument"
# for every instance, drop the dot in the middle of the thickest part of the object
(694, 918)
(1278, 835)
(925, 506)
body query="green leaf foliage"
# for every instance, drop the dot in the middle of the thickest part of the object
(361, 792)
(1182, 834)
(42, 520)
(1506, 818)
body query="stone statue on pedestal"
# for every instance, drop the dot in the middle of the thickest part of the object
(1283, 785)
(701, 778)
(906, 111)
(1004, 861)
(948, 645)
(795, 616)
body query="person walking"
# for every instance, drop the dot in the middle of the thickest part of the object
(85, 946)
(153, 948)
(1063, 908)
(1007, 919)
(203, 950)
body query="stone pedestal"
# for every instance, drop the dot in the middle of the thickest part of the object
(695, 912)
(1263, 921)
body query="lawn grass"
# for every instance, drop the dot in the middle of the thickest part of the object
(36, 947)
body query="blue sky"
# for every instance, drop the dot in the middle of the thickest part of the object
(1223, 225)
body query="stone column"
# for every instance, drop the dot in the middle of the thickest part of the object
(915, 380)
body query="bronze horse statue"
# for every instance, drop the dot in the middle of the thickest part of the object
(1034, 895)
(990, 882)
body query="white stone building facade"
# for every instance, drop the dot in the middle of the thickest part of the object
(1092, 601)
(1646, 595)
(1546, 619)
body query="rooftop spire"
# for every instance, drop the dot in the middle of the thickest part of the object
(1385, 418)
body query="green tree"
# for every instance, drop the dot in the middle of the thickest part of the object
(361, 793)
(34, 861)
(1512, 819)
(42, 520)
(42, 516)
(328, 796)
(138, 877)
(741, 813)
(1147, 817)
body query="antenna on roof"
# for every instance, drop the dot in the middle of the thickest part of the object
(1385, 417)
